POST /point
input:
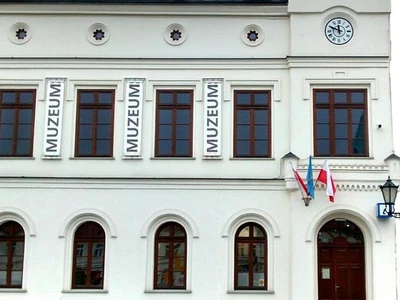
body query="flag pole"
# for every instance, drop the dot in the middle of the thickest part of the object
(305, 199)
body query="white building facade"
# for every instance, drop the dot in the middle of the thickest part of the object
(146, 150)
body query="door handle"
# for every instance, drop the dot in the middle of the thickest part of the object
(336, 287)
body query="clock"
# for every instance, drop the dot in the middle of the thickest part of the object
(339, 31)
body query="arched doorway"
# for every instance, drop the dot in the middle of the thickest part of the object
(341, 262)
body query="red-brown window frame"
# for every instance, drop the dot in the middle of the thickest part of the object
(331, 106)
(252, 107)
(96, 106)
(15, 227)
(251, 240)
(174, 107)
(90, 240)
(17, 107)
(171, 239)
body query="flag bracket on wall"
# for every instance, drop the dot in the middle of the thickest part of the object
(306, 200)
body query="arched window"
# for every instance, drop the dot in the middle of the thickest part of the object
(88, 260)
(12, 239)
(170, 257)
(251, 257)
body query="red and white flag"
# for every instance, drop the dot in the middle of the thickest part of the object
(299, 180)
(325, 177)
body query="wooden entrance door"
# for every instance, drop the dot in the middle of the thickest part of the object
(341, 267)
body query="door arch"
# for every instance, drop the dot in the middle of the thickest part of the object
(341, 261)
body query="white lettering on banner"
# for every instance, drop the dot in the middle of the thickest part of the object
(53, 123)
(133, 116)
(212, 117)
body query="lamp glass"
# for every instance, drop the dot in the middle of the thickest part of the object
(389, 192)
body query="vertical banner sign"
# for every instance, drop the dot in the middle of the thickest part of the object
(133, 117)
(53, 121)
(212, 117)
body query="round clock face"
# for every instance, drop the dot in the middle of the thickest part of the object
(339, 31)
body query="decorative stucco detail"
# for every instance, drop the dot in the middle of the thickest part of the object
(17, 215)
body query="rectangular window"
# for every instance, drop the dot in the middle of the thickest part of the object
(340, 127)
(252, 132)
(95, 123)
(174, 118)
(17, 115)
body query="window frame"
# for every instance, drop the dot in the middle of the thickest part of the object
(10, 255)
(90, 241)
(250, 241)
(331, 106)
(252, 107)
(171, 240)
(95, 106)
(16, 107)
(174, 107)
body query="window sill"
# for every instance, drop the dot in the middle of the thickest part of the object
(212, 157)
(250, 292)
(167, 292)
(48, 157)
(91, 158)
(83, 291)
(11, 290)
(132, 157)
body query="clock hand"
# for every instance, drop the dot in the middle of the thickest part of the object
(333, 28)
(338, 29)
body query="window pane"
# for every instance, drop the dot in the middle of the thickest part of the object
(243, 132)
(86, 97)
(322, 97)
(257, 232)
(358, 131)
(23, 147)
(6, 131)
(179, 278)
(18, 248)
(5, 147)
(243, 117)
(357, 97)
(3, 263)
(322, 131)
(358, 146)
(165, 132)
(243, 148)
(182, 147)
(165, 147)
(86, 116)
(357, 116)
(81, 262)
(26, 98)
(97, 249)
(104, 116)
(85, 131)
(242, 99)
(103, 147)
(165, 116)
(261, 148)
(179, 251)
(24, 131)
(261, 132)
(258, 279)
(183, 116)
(341, 131)
(165, 231)
(9, 97)
(182, 132)
(342, 147)
(340, 97)
(96, 278)
(323, 147)
(341, 116)
(85, 147)
(245, 232)
(16, 277)
(260, 117)
(3, 248)
(322, 115)
(165, 98)
(103, 131)
(7, 116)
(261, 99)
(25, 116)
(17, 263)
(105, 98)
(3, 277)
(183, 98)
(80, 278)
(178, 231)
